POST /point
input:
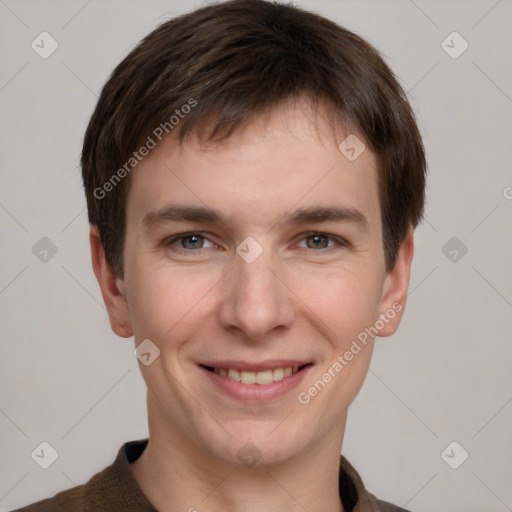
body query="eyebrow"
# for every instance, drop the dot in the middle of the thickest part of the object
(201, 214)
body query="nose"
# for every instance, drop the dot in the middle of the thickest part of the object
(258, 302)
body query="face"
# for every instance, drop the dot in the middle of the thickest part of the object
(250, 259)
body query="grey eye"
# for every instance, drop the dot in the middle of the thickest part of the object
(192, 242)
(316, 241)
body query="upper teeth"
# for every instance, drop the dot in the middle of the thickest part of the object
(264, 377)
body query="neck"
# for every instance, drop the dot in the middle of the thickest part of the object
(176, 474)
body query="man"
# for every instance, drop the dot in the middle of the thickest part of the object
(253, 175)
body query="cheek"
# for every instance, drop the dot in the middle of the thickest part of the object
(166, 302)
(346, 302)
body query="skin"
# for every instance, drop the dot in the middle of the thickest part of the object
(294, 301)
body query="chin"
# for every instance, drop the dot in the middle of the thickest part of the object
(259, 445)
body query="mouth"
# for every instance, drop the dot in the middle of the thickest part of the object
(262, 377)
(255, 382)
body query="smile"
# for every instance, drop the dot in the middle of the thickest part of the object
(262, 377)
(255, 382)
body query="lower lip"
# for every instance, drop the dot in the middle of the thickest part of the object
(255, 393)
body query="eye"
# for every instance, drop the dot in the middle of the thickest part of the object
(320, 242)
(187, 242)
(195, 242)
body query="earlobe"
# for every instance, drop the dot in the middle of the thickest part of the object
(112, 288)
(396, 285)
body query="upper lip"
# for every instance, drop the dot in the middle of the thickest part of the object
(255, 366)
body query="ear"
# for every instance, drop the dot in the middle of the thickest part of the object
(396, 285)
(112, 288)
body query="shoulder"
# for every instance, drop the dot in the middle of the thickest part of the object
(70, 500)
(111, 489)
(385, 506)
(354, 494)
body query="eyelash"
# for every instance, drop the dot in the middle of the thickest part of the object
(168, 243)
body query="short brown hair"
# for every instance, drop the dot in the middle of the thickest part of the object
(235, 60)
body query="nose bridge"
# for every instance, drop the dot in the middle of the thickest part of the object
(257, 300)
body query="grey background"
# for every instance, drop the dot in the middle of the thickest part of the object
(445, 376)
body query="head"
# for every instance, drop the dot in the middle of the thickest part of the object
(242, 114)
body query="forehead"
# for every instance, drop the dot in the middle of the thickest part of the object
(288, 159)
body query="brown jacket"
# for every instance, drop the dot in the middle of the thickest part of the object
(114, 489)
